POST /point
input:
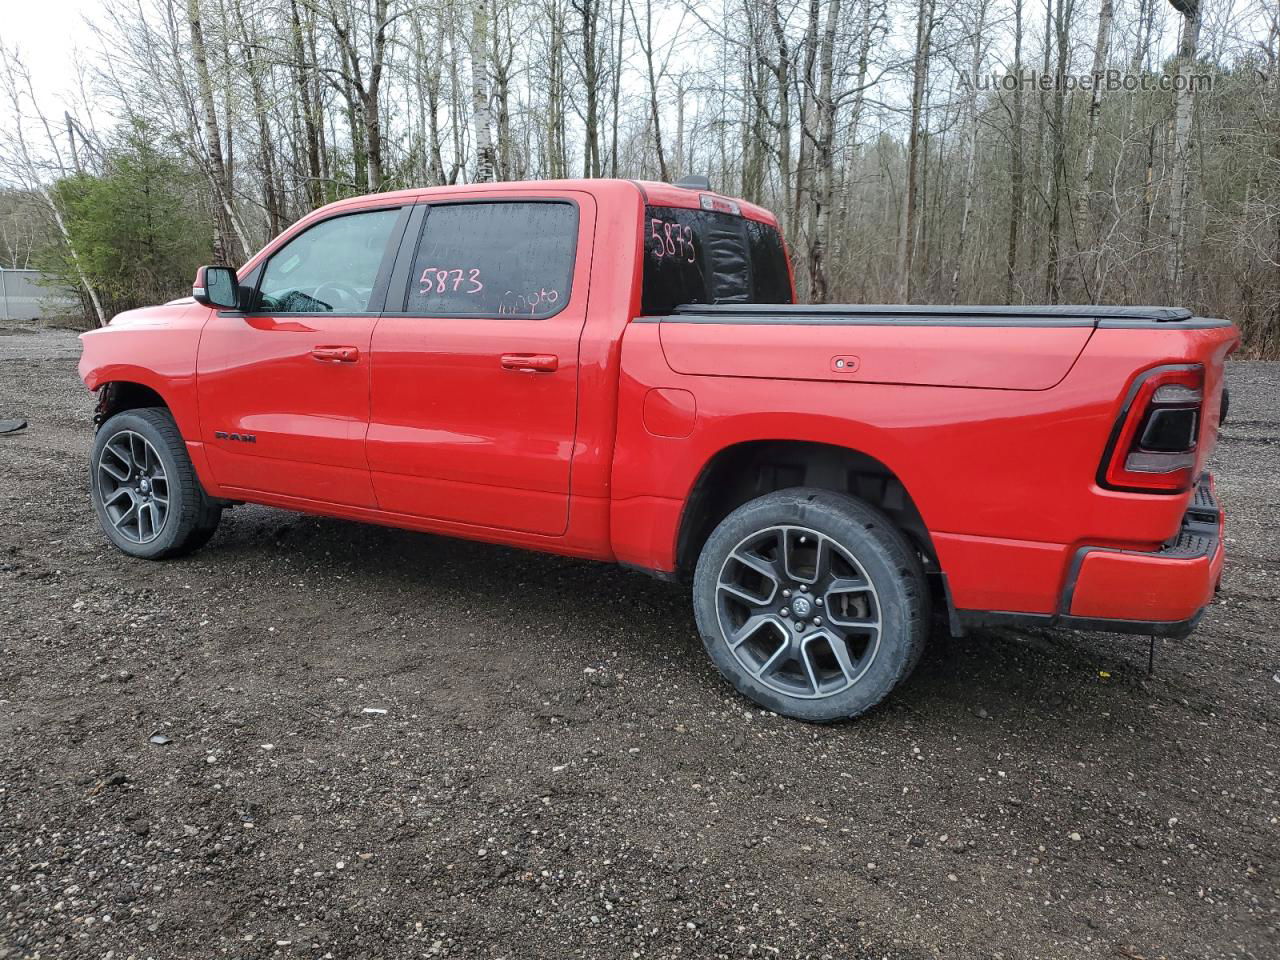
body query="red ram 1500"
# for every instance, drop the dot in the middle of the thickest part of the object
(616, 370)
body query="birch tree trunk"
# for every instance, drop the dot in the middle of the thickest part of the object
(826, 109)
(1015, 161)
(920, 75)
(310, 124)
(1184, 105)
(655, 114)
(480, 114)
(971, 146)
(266, 160)
(224, 247)
(1062, 11)
(1101, 49)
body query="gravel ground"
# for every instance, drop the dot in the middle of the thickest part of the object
(379, 744)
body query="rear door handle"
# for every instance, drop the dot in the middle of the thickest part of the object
(336, 354)
(530, 362)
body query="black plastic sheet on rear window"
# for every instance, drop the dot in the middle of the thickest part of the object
(703, 256)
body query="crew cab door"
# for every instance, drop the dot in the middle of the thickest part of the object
(475, 370)
(284, 386)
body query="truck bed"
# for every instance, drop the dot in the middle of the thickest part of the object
(842, 314)
(994, 347)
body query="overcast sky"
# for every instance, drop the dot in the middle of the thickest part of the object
(48, 33)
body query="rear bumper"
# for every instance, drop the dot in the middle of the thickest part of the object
(1130, 591)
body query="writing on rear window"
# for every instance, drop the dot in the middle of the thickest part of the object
(671, 239)
(710, 256)
(510, 258)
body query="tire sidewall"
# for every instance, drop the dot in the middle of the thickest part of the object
(866, 534)
(180, 496)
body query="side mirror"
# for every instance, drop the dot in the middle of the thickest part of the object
(216, 287)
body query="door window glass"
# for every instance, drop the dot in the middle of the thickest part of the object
(329, 268)
(503, 259)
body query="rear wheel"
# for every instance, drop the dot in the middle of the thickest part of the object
(145, 490)
(811, 603)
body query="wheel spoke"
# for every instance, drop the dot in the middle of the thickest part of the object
(766, 568)
(751, 626)
(839, 647)
(807, 661)
(131, 513)
(138, 462)
(814, 562)
(776, 659)
(745, 595)
(839, 594)
(119, 492)
(113, 472)
(849, 585)
(822, 562)
(854, 623)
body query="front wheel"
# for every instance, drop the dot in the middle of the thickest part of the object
(145, 490)
(811, 603)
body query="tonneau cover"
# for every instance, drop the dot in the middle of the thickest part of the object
(834, 312)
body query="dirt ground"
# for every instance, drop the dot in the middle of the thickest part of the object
(382, 744)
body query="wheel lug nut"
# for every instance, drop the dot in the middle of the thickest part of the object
(817, 621)
(804, 588)
(786, 593)
(785, 611)
(818, 601)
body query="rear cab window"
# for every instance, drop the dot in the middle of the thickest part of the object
(501, 258)
(710, 256)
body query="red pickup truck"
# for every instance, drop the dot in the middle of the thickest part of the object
(616, 370)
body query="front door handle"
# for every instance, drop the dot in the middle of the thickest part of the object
(530, 362)
(336, 354)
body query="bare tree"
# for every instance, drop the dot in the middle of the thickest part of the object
(226, 249)
(20, 163)
(979, 42)
(481, 116)
(910, 197)
(1184, 104)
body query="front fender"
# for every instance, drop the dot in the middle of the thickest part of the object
(153, 348)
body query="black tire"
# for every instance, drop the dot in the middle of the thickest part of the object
(190, 517)
(873, 571)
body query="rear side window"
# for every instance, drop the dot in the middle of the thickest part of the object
(512, 258)
(704, 256)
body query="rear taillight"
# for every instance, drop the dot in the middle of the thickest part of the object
(1153, 445)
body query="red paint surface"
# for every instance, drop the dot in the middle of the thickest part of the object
(426, 423)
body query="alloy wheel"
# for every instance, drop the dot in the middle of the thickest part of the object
(798, 611)
(133, 486)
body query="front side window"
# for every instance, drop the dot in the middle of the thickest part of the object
(501, 259)
(329, 268)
